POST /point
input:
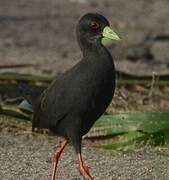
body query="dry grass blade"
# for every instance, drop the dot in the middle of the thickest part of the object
(7, 66)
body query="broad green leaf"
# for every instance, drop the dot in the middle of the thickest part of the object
(127, 141)
(127, 122)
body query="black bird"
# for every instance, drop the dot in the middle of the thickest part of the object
(76, 99)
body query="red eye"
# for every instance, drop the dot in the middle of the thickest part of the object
(94, 25)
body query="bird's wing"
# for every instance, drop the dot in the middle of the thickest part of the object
(50, 108)
(68, 93)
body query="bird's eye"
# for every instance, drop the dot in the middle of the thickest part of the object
(94, 25)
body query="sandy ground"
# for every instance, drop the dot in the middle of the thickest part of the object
(27, 157)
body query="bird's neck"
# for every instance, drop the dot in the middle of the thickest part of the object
(98, 52)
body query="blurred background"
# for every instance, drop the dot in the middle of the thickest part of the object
(43, 32)
(38, 41)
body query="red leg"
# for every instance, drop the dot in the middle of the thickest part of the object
(56, 157)
(83, 169)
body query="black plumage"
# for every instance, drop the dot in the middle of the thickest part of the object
(77, 98)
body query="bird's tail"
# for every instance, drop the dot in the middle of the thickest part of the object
(30, 96)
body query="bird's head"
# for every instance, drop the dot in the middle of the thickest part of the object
(93, 28)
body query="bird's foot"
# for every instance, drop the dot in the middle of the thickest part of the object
(84, 170)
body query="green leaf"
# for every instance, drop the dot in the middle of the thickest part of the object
(128, 122)
(128, 141)
(132, 130)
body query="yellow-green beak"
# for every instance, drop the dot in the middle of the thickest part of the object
(109, 36)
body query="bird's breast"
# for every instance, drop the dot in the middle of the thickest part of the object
(103, 91)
